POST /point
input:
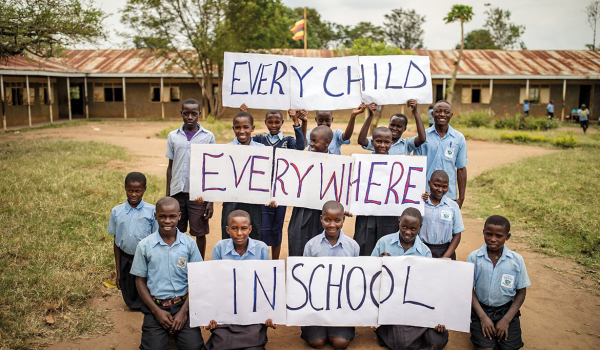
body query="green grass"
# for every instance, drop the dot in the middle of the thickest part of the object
(221, 129)
(551, 200)
(77, 122)
(54, 251)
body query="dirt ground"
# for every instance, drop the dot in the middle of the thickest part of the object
(559, 313)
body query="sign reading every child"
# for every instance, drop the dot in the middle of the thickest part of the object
(284, 82)
(365, 184)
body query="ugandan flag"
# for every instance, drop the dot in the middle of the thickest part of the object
(298, 29)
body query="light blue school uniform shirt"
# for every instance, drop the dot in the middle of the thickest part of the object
(431, 120)
(442, 222)
(391, 244)
(164, 267)
(179, 150)
(320, 246)
(446, 153)
(496, 286)
(400, 148)
(225, 250)
(550, 108)
(336, 143)
(583, 114)
(252, 143)
(130, 225)
(275, 138)
(525, 106)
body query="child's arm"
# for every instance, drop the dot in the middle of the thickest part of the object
(269, 323)
(440, 328)
(302, 117)
(425, 196)
(211, 325)
(487, 326)
(180, 317)
(364, 131)
(502, 325)
(243, 107)
(299, 141)
(350, 127)
(453, 244)
(169, 171)
(461, 175)
(421, 137)
(117, 264)
(163, 317)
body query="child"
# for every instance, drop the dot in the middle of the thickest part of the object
(369, 229)
(239, 247)
(446, 149)
(398, 124)
(442, 224)
(178, 172)
(550, 109)
(130, 222)
(406, 242)
(583, 114)
(160, 264)
(526, 107)
(273, 217)
(339, 138)
(305, 223)
(500, 284)
(331, 242)
(430, 111)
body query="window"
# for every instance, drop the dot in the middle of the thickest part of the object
(171, 93)
(43, 95)
(108, 92)
(537, 94)
(15, 94)
(175, 93)
(75, 93)
(475, 94)
(155, 94)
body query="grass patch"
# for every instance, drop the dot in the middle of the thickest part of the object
(54, 251)
(78, 122)
(550, 198)
(221, 129)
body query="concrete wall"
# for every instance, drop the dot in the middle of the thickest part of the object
(40, 113)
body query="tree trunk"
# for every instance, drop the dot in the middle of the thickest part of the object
(460, 53)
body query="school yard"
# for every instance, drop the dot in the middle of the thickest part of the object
(561, 310)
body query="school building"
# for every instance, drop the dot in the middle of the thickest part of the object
(132, 84)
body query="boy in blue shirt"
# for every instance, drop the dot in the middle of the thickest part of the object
(130, 222)
(160, 264)
(583, 114)
(339, 138)
(526, 107)
(500, 284)
(446, 149)
(550, 109)
(442, 223)
(331, 242)
(179, 148)
(407, 242)
(239, 247)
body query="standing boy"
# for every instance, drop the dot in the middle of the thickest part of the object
(500, 284)
(550, 109)
(160, 264)
(442, 223)
(526, 107)
(331, 242)
(130, 222)
(446, 149)
(583, 114)
(325, 118)
(179, 148)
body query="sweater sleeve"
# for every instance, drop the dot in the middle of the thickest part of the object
(299, 142)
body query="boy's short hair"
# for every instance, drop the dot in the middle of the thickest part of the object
(439, 174)
(401, 116)
(135, 177)
(323, 111)
(443, 101)
(274, 111)
(167, 201)
(323, 130)
(244, 115)
(190, 101)
(382, 129)
(238, 214)
(498, 220)
(332, 205)
(412, 212)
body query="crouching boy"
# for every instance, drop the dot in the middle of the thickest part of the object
(160, 264)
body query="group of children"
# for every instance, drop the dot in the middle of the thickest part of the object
(152, 250)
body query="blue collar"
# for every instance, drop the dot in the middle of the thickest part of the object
(450, 132)
(129, 208)
(157, 239)
(339, 241)
(444, 201)
(275, 138)
(200, 129)
(506, 253)
(418, 245)
(230, 248)
(252, 143)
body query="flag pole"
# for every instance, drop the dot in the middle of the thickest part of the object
(305, 31)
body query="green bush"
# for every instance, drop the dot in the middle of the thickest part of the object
(523, 137)
(565, 141)
(474, 119)
(523, 122)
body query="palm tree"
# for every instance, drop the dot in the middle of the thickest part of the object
(462, 13)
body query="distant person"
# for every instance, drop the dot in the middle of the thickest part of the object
(339, 137)
(583, 114)
(526, 107)
(431, 122)
(550, 109)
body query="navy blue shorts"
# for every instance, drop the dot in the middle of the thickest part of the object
(495, 314)
(272, 225)
(312, 334)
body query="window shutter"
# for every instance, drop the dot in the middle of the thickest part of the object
(8, 96)
(166, 97)
(465, 96)
(545, 95)
(485, 95)
(522, 96)
(31, 96)
(98, 93)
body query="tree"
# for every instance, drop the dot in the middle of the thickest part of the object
(462, 14)
(506, 35)
(320, 33)
(593, 13)
(368, 47)
(345, 35)
(479, 39)
(45, 27)
(194, 34)
(403, 29)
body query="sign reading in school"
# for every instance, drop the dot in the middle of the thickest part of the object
(237, 292)
(366, 184)
(283, 82)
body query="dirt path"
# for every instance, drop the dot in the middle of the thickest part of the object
(558, 313)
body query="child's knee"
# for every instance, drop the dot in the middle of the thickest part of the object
(318, 344)
(339, 343)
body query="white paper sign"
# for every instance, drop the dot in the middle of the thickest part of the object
(237, 292)
(426, 292)
(385, 185)
(231, 173)
(395, 79)
(310, 179)
(259, 81)
(325, 83)
(329, 291)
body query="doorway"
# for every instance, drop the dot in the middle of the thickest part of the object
(76, 96)
(585, 94)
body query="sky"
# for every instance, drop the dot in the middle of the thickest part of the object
(550, 24)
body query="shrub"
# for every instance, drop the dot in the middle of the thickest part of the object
(565, 141)
(474, 119)
(523, 137)
(523, 122)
